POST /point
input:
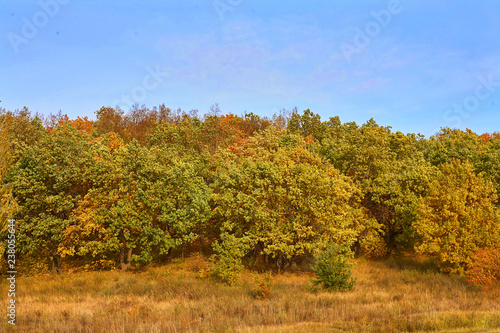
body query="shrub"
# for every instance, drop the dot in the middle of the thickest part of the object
(262, 288)
(229, 253)
(333, 269)
(485, 266)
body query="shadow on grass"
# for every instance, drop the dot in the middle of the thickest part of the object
(423, 266)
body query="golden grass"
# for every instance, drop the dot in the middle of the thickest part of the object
(389, 296)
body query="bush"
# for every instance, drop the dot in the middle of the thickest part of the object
(228, 258)
(485, 267)
(333, 269)
(262, 288)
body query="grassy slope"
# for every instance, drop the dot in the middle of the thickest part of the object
(390, 296)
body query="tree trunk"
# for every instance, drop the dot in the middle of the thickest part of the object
(56, 264)
(125, 258)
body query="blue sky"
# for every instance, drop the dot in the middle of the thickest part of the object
(413, 65)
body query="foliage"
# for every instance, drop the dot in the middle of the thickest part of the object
(263, 286)
(388, 168)
(140, 202)
(47, 186)
(7, 203)
(485, 266)
(307, 124)
(454, 144)
(457, 217)
(283, 200)
(333, 271)
(129, 188)
(182, 137)
(22, 130)
(489, 162)
(229, 253)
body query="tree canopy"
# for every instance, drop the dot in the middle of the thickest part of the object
(131, 188)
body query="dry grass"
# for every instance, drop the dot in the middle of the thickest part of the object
(390, 296)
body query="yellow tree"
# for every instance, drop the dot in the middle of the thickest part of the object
(457, 216)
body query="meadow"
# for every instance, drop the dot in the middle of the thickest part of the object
(393, 295)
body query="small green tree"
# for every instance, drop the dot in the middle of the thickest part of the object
(228, 258)
(333, 269)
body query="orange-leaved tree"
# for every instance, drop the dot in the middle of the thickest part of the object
(485, 266)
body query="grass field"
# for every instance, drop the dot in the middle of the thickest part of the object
(389, 296)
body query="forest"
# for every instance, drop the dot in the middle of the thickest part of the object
(143, 187)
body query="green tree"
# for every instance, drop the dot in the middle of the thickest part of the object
(282, 200)
(7, 203)
(453, 144)
(489, 162)
(141, 202)
(307, 124)
(183, 137)
(390, 170)
(47, 185)
(22, 130)
(333, 271)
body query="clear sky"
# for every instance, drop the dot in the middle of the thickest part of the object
(413, 65)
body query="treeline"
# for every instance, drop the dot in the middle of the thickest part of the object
(147, 185)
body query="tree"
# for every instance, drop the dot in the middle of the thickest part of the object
(485, 266)
(139, 122)
(389, 169)
(333, 271)
(281, 200)
(457, 217)
(252, 123)
(111, 120)
(82, 124)
(182, 137)
(141, 202)
(489, 162)
(22, 130)
(454, 144)
(220, 131)
(7, 204)
(47, 185)
(307, 124)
